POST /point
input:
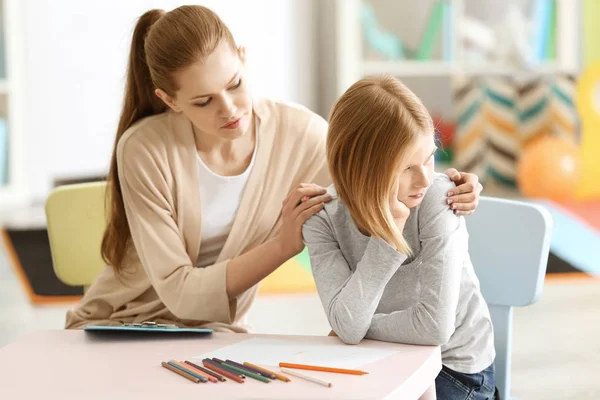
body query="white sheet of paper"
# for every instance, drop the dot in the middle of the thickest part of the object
(270, 352)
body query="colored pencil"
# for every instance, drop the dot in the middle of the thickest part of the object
(180, 372)
(307, 377)
(324, 369)
(247, 373)
(250, 369)
(275, 374)
(211, 365)
(175, 364)
(221, 363)
(206, 371)
(197, 371)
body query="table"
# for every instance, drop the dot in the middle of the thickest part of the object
(71, 364)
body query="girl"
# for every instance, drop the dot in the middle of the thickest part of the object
(198, 211)
(390, 260)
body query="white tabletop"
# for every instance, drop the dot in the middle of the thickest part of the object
(71, 364)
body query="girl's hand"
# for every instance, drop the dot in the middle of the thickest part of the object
(465, 197)
(304, 201)
(399, 210)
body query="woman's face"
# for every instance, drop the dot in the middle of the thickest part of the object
(416, 171)
(214, 94)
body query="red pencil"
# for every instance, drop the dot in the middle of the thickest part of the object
(211, 365)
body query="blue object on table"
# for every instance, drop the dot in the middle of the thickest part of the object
(146, 327)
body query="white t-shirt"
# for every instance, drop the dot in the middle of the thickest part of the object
(220, 197)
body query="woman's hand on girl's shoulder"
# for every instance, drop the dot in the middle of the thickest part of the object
(301, 203)
(464, 199)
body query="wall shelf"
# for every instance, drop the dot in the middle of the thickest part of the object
(355, 59)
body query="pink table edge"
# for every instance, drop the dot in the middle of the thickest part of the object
(70, 362)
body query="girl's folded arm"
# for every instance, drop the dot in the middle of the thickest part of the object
(444, 246)
(349, 298)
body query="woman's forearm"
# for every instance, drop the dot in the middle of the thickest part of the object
(247, 270)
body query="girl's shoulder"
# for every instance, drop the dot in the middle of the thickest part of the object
(434, 210)
(437, 192)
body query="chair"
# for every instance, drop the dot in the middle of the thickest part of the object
(509, 243)
(76, 220)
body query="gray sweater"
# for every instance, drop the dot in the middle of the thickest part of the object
(369, 290)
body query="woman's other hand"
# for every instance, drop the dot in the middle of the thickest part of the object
(304, 201)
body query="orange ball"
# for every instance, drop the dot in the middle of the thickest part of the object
(549, 168)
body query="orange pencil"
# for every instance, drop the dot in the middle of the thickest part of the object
(324, 369)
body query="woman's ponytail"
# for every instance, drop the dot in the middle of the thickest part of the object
(140, 101)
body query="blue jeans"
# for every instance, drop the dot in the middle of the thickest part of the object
(453, 385)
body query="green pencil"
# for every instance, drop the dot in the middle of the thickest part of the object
(247, 373)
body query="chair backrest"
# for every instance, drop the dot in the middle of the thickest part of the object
(509, 242)
(76, 220)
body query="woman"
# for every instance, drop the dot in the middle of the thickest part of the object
(208, 188)
(390, 260)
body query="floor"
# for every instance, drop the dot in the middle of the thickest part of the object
(556, 341)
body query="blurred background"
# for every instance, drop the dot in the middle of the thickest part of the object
(513, 85)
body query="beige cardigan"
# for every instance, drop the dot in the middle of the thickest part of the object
(159, 180)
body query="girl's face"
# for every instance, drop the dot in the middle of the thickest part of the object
(416, 171)
(214, 94)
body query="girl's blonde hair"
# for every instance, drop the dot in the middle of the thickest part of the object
(371, 126)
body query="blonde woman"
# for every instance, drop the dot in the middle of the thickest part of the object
(390, 260)
(206, 182)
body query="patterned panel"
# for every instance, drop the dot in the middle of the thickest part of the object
(469, 140)
(501, 129)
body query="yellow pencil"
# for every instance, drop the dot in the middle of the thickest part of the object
(278, 376)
